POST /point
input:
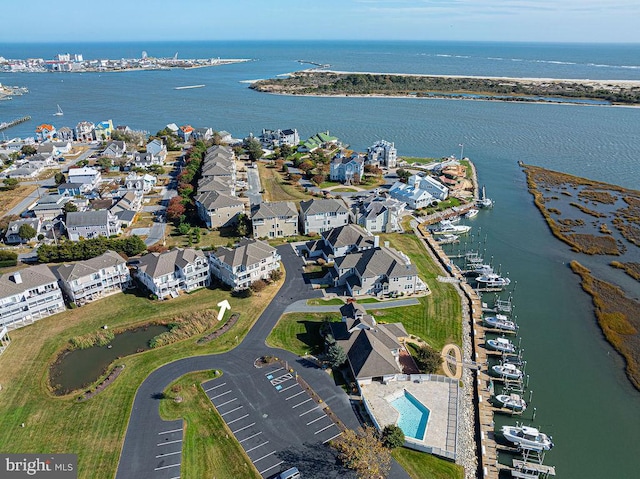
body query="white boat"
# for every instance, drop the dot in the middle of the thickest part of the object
(480, 270)
(502, 345)
(471, 213)
(448, 239)
(484, 202)
(499, 321)
(59, 112)
(528, 437)
(507, 371)
(512, 401)
(492, 280)
(448, 228)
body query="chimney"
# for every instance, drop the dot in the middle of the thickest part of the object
(17, 277)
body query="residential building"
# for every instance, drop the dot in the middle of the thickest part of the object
(414, 198)
(430, 185)
(115, 149)
(65, 134)
(92, 279)
(274, 220)
(204, 134)
(275, 138)
(380, 213)
(347, 169)
(91, 224)
(377, 272)
(28, 295)
(140, 183)
(185, 132)
(11, 236)
(70, 189)
(319, 140)
(147, 159)
(373, 349)
(382, 153)
(157, 148)
(218, 209)
(317, 216)
(49, 207)
(87, 176)
(85, 131)
(103, 130)
(169, 273)
(27, 171)
(45, 132)
(248, 262)
(340, 241)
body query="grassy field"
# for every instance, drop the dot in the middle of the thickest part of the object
(325, 302)
(10, 198)
(276, 188)
(95, 428)
(413, 159)
(208, 447)
(438, 318)
(299, 332)
(420, 465)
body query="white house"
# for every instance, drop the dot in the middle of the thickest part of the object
(382, 153)
(85, 131)
(414, 197)
(28, 295)
(87, 176)
(317, 216)
(380, 214)
(167, 274)
(95, 278)
(430, 185)
(91, 224)
(248, 262)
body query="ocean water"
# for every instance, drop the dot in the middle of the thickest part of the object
(581, 394)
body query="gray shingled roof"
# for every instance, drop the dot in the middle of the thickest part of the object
(213, 199)
(248, 252)
(211, 183)
(349, 235)
(272, 210)
(87, 218)
(31, 277)
(376, 262)
(314, 207)
(73, 271)
(159, 264)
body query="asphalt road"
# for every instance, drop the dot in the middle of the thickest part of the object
(253, 192)
(264, 409)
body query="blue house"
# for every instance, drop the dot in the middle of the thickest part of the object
(69, 189)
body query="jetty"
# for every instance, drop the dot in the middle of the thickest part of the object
(4, 125)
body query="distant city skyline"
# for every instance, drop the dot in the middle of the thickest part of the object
(591, 21)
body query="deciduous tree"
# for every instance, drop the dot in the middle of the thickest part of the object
(363, 452)
(26, 232)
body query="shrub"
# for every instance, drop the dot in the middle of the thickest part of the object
(392, 436)
(258, 285)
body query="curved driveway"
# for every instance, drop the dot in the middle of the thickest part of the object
(152, 446)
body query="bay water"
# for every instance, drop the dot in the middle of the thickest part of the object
(581, 394)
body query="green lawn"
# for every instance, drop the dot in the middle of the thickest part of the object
(412, 159)
(299, 332)
(325, 302)
(95, 429)
(276, 188)
(209, 449)
(425, 466)
(367, 301)
(343, 189)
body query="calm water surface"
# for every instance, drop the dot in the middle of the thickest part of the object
(581, 394)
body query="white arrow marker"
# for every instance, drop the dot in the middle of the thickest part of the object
(223, 305)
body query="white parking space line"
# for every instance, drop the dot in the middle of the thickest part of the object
(275, 465)
(310, 410)
(296, 394)
(169, 432)
(236, 420)
(229, 412)
(266, 455)
(225, 403)
(166, 467)
(250, 437)
(318, 418)
(301, 403)
(289, 387)
(243, 428)
(324, 428)
(271, 372)
(177, 477)
(220, 395)
(256, 447)
(169, 442)
(169, 454)
(214, 387)
(331, 438)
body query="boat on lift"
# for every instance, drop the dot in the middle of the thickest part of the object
(492, 280)
(449, 239)
(512, 401)
(446, 227)
(502, 345)
(527, 437)
(507, 371)
(500, 321)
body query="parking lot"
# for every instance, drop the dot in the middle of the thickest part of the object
(271, 416)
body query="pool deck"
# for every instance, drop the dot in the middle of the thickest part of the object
(434, 395)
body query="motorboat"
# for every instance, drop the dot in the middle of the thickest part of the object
(480, 270)
(447, 227)
(507, 371)
(499, 321)
(448, 239)
(502, 345)
(471, 213)
(483, 201)
(512, 401)
(492, 280)
(527, 437)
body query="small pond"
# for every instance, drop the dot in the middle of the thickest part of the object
(79, 368)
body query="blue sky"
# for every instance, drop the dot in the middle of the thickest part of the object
(465, 20)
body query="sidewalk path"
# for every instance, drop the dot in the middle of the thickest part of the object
(301, 306)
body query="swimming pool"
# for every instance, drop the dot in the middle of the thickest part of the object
(414, 416)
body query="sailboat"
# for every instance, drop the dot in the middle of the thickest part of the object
(59, 112)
